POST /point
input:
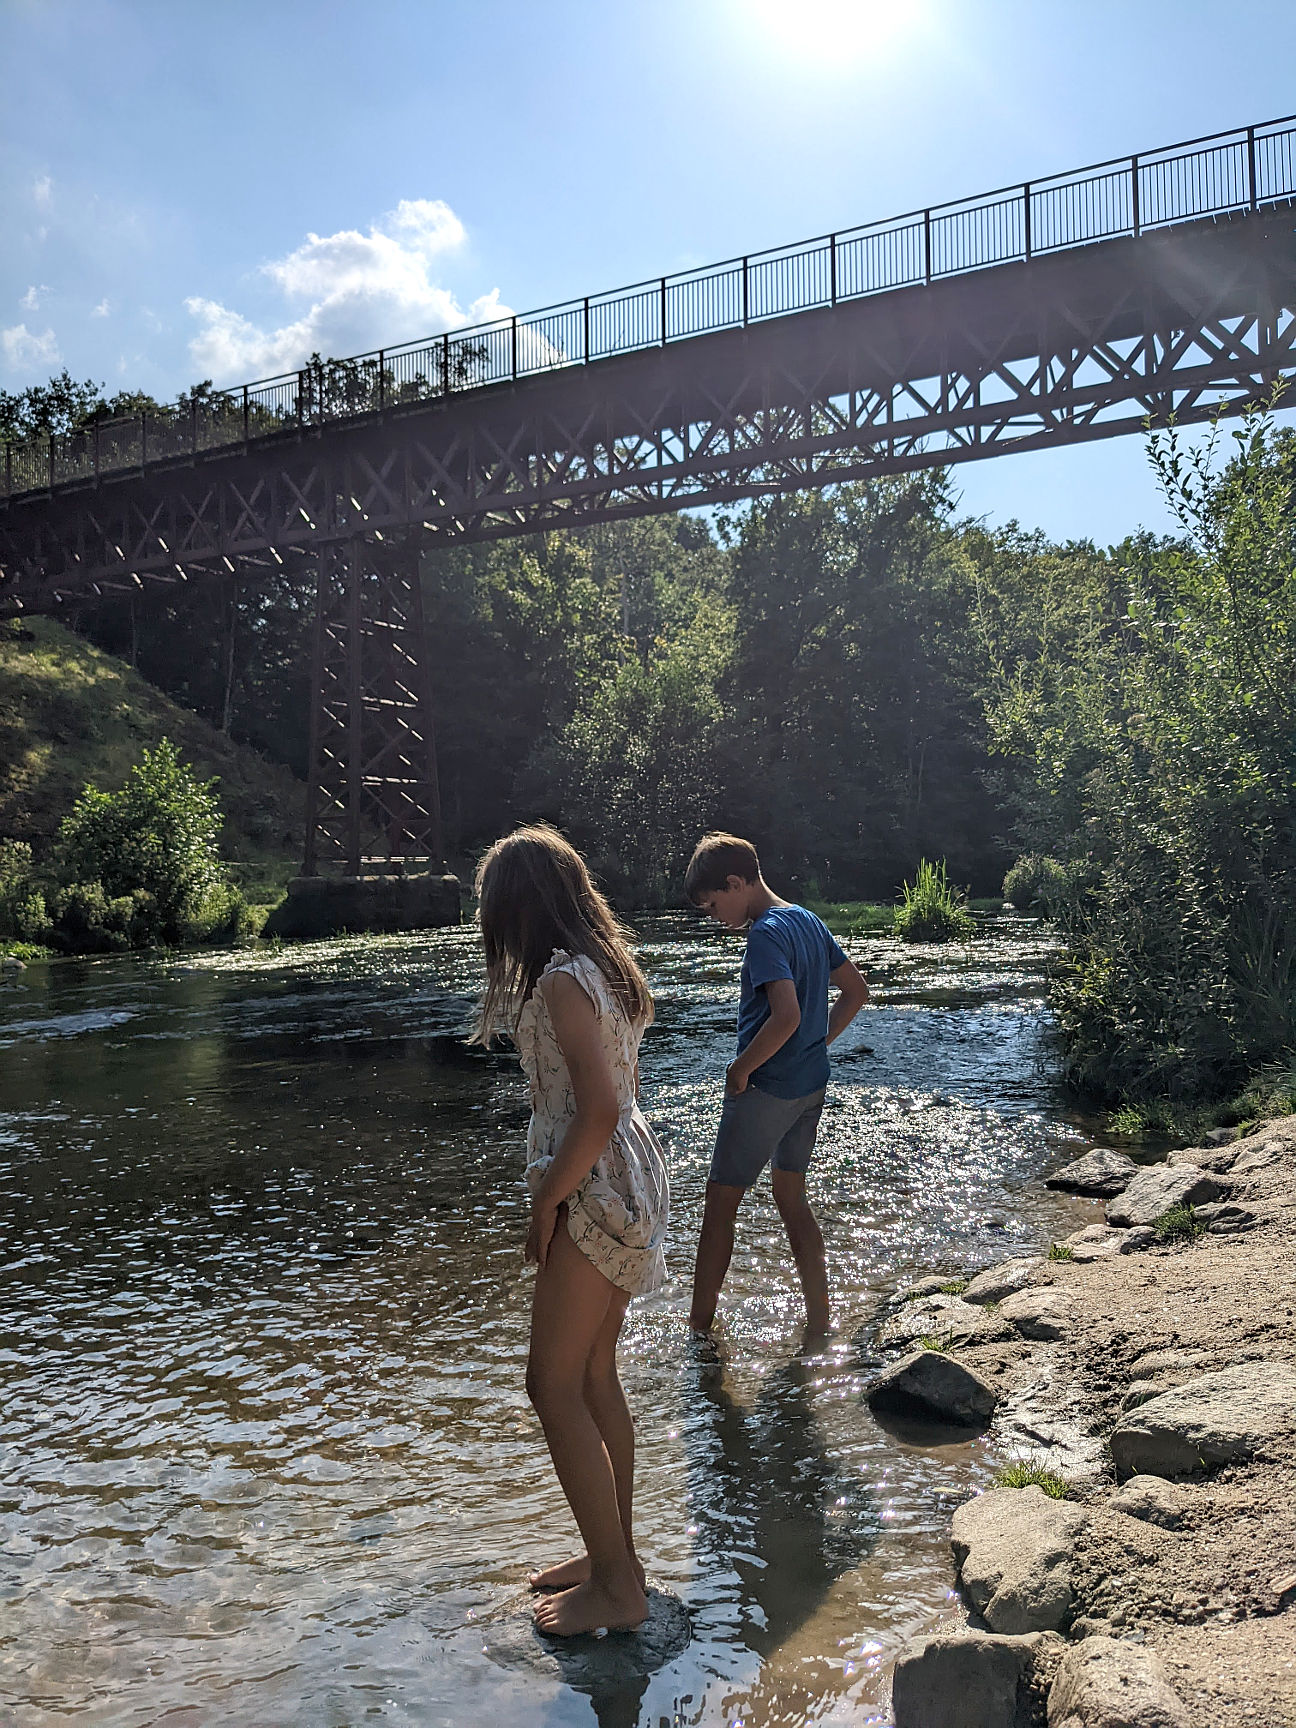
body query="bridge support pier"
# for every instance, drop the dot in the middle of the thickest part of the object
(374, 853)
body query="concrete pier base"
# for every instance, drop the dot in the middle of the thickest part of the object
(330, 905)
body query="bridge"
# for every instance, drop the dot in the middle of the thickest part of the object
(1079, 306)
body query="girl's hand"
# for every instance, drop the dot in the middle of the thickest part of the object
(544, 1221)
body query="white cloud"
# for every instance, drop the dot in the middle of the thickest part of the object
(30, 301)
(355, 292)
(101, 310)
(23, 347)
(42, 188)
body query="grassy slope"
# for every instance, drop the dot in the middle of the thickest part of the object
(71, 714)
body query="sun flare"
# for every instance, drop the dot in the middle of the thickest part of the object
(829, 29)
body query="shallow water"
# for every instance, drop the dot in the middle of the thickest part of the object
(265, 1456)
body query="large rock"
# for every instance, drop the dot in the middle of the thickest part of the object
(1106, 1683)
(1042, 1313)
(1105, 1242)
(948, 1319)
(941, 1385)
(1006, 1279)
(1208, 1421)
(1157, 1189)
(1152, 1499)
(1218, 1159)
(967, 1680)
(1013, 1549)
(1100, 1172)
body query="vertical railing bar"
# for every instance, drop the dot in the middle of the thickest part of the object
(1134, 197)
(587, 331)
(744, 292)
(382, 380)
(1026, 217)
(662, 311)
(927, 257)
(1251, 165)
(513, 338)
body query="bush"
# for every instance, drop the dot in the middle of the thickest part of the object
(23, 914)
(225, 916)
(89, 921)
(157, 836)
(932, 911)
(1035, 881)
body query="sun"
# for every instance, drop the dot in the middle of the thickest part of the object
(829, 29)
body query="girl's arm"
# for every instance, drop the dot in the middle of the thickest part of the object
(575, 1026)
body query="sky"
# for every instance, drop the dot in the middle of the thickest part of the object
(213, 188)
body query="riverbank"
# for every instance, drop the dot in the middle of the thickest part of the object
(1157, 1378)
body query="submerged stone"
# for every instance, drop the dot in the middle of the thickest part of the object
(593, 1663)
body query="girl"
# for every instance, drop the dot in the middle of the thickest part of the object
(558, 966)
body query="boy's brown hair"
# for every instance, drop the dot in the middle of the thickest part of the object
(716, 858)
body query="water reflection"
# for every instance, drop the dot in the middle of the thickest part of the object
(769, 1500)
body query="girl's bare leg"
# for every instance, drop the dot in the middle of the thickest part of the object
(606, 1403)
(571, 1309)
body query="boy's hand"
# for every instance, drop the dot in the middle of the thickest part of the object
(544, 1221)
(735, 1079)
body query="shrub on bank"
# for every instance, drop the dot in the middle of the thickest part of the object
(1034, 883)
(132, 869)
(932, 910)
(24, 916)
(1156, 727)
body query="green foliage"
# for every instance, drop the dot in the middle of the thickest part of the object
(634, 771)
(1179, 1224)
(932, 911)
(158, 836)
(1023, 1473)
(1060, 1251)
(941, 1346)
(955, 1287)
(1034, 882)
(1152, 731)
(23, 913)
(87, 920)
(140, 867)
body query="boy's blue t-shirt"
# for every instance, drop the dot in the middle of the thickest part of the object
(789, 942)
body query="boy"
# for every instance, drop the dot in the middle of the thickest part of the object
(774, 1088)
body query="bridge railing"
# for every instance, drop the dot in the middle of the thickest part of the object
(1225, 174)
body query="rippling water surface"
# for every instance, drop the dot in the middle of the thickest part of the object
(265, 1456)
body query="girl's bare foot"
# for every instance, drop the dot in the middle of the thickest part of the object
(590, 1606)
(574, 1571)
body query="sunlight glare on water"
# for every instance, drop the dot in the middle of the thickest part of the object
(267, 1454)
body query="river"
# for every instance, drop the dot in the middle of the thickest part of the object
(266, 1457)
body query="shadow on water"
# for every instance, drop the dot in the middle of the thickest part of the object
(769, 1501)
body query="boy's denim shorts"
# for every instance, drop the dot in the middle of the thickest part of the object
(757, 1129)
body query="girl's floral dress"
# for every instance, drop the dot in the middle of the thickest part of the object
(617, 1217)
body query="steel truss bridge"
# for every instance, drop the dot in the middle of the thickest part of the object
(1070, 308)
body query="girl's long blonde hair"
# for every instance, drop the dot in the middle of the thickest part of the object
(535, 894)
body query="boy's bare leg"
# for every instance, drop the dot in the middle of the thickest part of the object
(606, 1403)
(714, 1251)
(572, 1302)
(807, 1244)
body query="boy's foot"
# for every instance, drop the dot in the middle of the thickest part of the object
(588, 1608)
(574, 1571)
